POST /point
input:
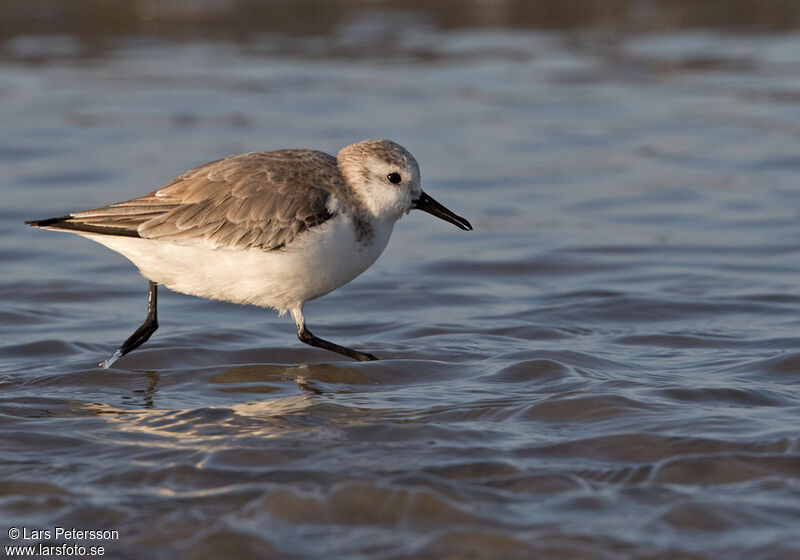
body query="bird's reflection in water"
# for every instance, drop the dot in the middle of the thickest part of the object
(300, 397)
(292, 389)
(150, 392)
(267, 378)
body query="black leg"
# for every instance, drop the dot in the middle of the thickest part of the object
(141, 334)
(305, 336)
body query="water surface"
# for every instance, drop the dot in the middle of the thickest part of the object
(607, 367)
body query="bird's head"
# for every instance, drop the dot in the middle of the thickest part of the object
(386, 177)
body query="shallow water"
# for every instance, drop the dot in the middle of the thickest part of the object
(607, 367)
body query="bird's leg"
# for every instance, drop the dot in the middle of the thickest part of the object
(141, 334)
(305, 336)
(312, 340)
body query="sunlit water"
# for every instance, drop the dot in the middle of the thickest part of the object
(607, 367)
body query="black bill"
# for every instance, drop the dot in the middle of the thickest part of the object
(427, 204)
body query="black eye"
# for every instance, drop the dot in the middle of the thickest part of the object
(394, 178)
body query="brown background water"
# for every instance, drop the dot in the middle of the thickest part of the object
(607, 367)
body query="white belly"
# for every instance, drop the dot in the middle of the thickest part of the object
(316, 262)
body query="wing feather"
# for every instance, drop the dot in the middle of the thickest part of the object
(257, 200)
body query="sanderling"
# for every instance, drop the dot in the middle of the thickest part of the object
(274, 229)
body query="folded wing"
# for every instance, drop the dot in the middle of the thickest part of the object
(257, 200)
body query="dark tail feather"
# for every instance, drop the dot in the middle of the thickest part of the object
(68, 223)
(48, 222)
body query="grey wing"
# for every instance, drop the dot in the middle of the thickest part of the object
(258, 200)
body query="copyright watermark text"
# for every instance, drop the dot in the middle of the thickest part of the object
(58, 541)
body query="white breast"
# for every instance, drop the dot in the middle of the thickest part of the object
(313, 264)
